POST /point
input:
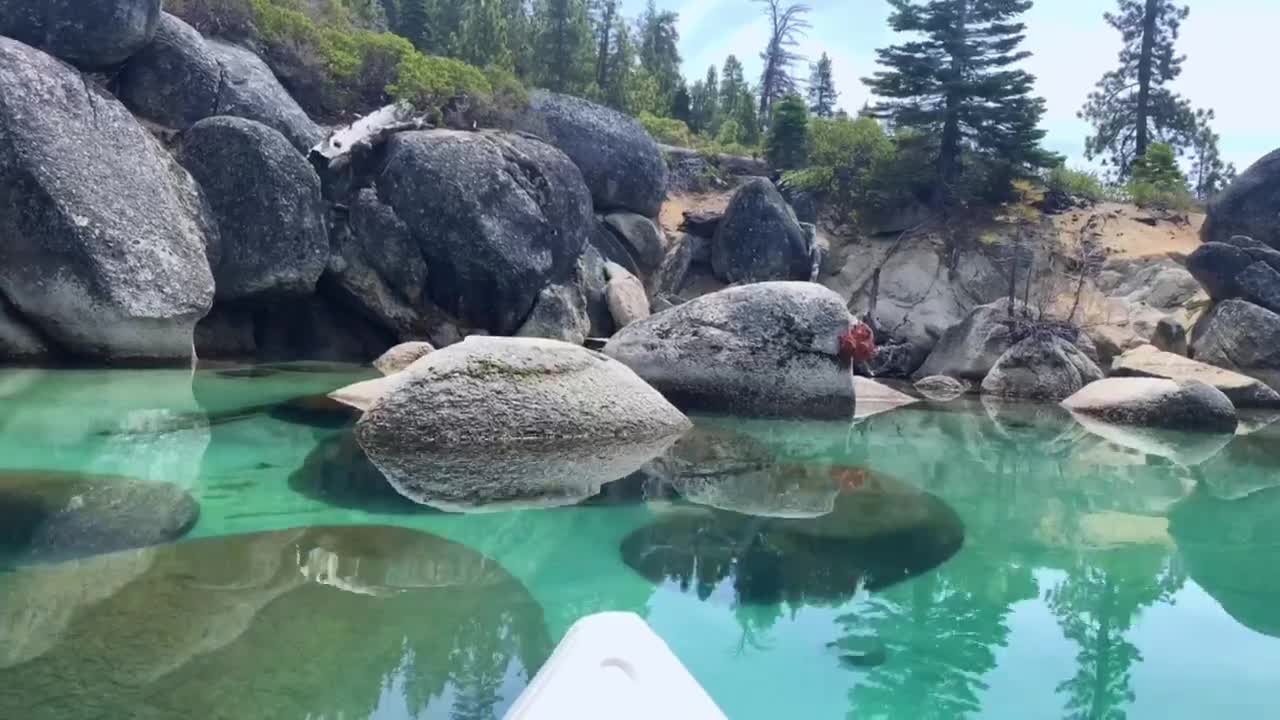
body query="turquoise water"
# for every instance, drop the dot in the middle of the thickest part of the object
(962, 562)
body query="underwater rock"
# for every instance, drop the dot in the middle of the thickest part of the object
(873, 538)
(265, 624)
(338, 472)
(1182, 448)
(46, 517)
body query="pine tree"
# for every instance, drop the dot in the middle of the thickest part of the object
(1208, 170)
(1159, 169)
(787, 147)
(822, 89)
(706, 103)
(681, 105)
(483, 38)
(786, 24)
(959, 83)
(732, 86)
(604, 16)
(748, 122)
(415, 20)
(659, 48)
(562, 45)
(1132, 105)
(621, 67)
(520, 33)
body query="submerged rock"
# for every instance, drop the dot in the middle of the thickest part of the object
(1156, 402)
(401, 356)
(88, 33)
(105, 236)
(759, 238)
(874, 537)
(1187, 449)
(498, 217)
(48, 517)
(1243, 391)
(521, 419)
(267, 202)
(619, 160)
(225, 622)
(769, 349)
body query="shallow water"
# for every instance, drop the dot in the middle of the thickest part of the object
(973, 561)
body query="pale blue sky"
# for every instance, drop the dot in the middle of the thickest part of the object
(1231, 50)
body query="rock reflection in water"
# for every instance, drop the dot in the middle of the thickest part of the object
(528, 475)
(1231, 548)
(788, 531)
(325, 622)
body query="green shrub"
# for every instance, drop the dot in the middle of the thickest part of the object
(668, 131)
(730, 133)
(846, 158)
(431, 82)
(1082, 183)
(1149, 195)
(787, 146)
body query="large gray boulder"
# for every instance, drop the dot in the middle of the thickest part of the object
(1238, 335)
(266, 199)
(105, 235)
(511, 419)
(759, 238)
(642, 237)
(1243, 391)
(1156, 402)
(1042, 366)
(181, 78)
(175, 80)
(620, 162)
(250, 90)
(559, 313)
(88, 33)
(769, 349)
(971, 348)
(1249, 206)
(377, 269)
(496, 216)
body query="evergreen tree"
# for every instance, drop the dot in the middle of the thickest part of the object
(680, 105)
(562, 45)
(959, 84)
(1132, 105)
(748, 122)
(605, 17)
(483, 39)
(822, 89)
(732, 86)
(1159, 169)
(621, 67)
(787, 147)
(520, 34)
(705, 96)
(659, 48)
(1210, 174)
(785, 25)
(415, 20)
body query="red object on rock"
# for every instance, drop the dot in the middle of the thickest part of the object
(858, 343)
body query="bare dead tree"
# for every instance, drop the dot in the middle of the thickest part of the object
(786, 25)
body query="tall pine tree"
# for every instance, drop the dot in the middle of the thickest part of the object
(786, 24)
(483, 37)
(659, 48)
(563, 45)
(1133, 106)
(748, 121)
(732, 86)
(822, 88)
(1209, 172)
(959, 83)
(604, 17)
(788, 144)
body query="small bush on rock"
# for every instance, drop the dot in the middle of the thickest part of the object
(1079, 183)
(668, 131)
